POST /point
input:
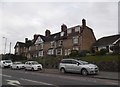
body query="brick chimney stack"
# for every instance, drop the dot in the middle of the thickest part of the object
(26, 39)
(63, 27)
(83, 22)
(47, 33)
(35, 36)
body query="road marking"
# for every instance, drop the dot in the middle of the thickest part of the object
(13, 82)
(43, 83)
(5, 75)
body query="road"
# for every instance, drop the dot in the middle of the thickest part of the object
(22, 78)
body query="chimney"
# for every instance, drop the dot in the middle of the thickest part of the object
(83, 22)
(47, 33)
(35, 36)
(63, 27)
(26, 39)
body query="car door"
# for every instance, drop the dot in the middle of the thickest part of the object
(26, 65)
(68, 65)
(75, 66)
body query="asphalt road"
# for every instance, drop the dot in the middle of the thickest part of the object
(22, 78)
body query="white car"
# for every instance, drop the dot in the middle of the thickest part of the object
(5, 63)
(17, 65)
(33, 65)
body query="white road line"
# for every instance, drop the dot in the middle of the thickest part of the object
(43, 83)
(5, 75)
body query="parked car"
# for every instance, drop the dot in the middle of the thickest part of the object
(78, 66)
(33, 65)
(17, 65)
(5, 63)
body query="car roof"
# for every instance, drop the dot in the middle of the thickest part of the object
(31, 61)
(68, 59)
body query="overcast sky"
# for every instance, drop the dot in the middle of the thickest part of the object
(24, 19)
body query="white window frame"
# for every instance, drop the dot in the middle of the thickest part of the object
(40, 53)
(69, 51)
(75, 40)
(66, 52)
(76, 48)
(50, 52)
(59, 50)
(60, 42)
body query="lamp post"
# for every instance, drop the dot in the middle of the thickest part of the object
(5, 44)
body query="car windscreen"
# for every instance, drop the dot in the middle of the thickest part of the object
(17, 63)
(83, 62)
(8, 61)
(34, 63)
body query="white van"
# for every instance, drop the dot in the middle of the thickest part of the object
(5, 63)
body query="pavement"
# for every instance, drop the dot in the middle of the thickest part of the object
(101, 74)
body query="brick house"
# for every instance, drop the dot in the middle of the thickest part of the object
(79, 37)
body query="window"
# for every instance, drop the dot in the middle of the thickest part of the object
(75, 48)
(75, 40)
(69, 31)
(17, 49)
(62, 34)
(37, 47)
(69, 51)
(77, 29)
(50, 52)
(59, 51)
(67, 61)
(29, 48)
(40, 53)
(60, 43)
(41, 45)
(66, 52)
(52, 44)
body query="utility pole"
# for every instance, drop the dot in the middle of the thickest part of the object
(10, 48)
(5, 45)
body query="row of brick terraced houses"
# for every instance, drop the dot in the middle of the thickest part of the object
(80, 37)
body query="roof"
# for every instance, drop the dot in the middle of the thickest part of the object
(105, 41)
(21, 44)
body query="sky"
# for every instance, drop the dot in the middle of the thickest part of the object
(23, 19)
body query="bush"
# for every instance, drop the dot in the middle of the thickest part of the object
(83, 53)
(102, 52)
(74, 53)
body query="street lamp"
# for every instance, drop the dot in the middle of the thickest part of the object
(5, 44)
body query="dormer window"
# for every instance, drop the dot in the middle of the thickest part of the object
(77, 29)
(62, 34)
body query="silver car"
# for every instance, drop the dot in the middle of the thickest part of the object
(77, 66)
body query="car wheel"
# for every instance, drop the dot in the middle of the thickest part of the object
(62, 70)
(18, 67)
(84, 72)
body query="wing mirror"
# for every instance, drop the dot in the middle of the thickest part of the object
(78, 63)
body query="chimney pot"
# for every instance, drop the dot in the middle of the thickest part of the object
(83, 22)
(47, 33)
(63, 27)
